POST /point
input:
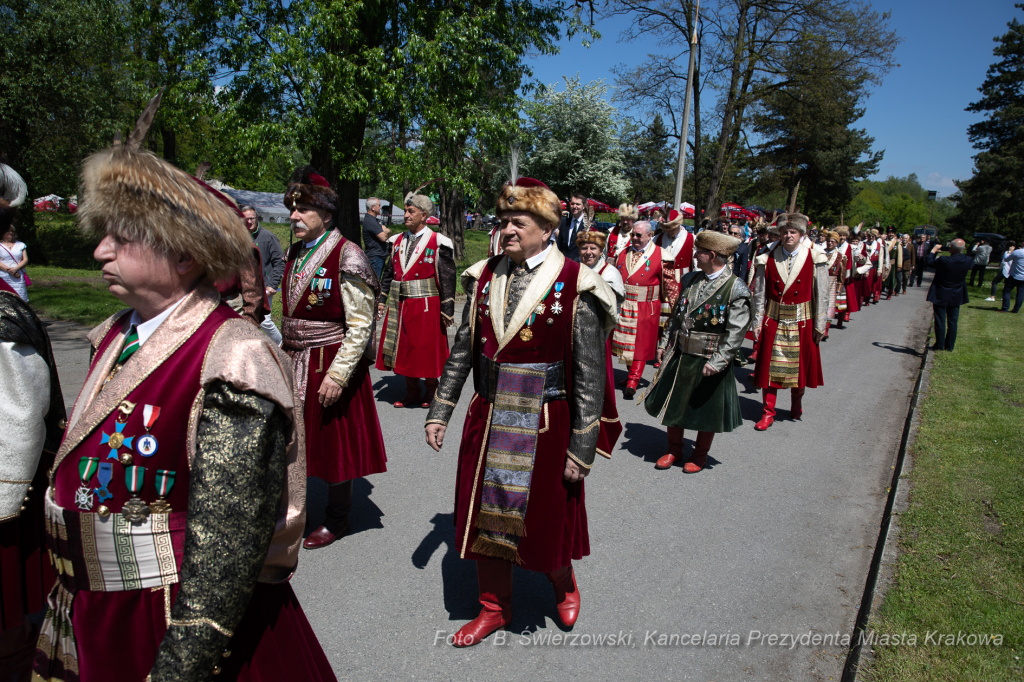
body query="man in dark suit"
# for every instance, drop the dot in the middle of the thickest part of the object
(948, 291)
(740, 259)
(570, 226)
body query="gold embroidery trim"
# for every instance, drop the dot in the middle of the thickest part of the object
(577, 460)
(444, 402)
(191, 622)
(3, 480)
(588, 429)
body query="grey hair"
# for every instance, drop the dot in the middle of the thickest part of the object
(957, 246)
(646, 224)
(247, 207)
(373, 201)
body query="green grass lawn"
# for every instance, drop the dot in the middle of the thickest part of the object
(961, 547)
(80, 295)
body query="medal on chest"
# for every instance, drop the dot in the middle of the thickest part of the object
(147, 445)
(87, 467)
(116, 440)
(135, 510)
(485, 300)
(104, 473)
(428, 256)
(320, 290)
(164, 483)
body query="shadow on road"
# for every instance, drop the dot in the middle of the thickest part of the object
(533, 599)
(906, 350)
(366, 515)
(390, 388)
(643, 441)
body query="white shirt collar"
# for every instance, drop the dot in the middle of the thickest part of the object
(146, 329)
(790, 254)
(716, 275)
(535, 261)
(316, 241)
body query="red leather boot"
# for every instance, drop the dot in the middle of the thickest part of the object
(636, 370)
(768, 417)
(675, 448)
(494, 577)
(700, 453)
(796, 396)
(412, 393)
(567, 595)
(431, 390)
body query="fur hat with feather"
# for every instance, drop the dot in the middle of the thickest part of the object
(129, 193)
(310, 188)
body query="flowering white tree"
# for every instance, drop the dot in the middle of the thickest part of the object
(574, 143)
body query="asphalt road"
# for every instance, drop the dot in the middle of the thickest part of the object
(773, 538)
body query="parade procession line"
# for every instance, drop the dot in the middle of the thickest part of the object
(751, 569)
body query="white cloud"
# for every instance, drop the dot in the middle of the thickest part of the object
(939, 181)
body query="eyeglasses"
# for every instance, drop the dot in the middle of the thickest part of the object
(252, 221)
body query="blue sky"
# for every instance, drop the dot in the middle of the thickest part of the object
(917, 115)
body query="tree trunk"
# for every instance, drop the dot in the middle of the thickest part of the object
(452, 217)
(728, 113)
(170, 145)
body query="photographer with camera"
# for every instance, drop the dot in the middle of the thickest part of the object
(948, 291)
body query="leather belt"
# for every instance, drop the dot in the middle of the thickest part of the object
(703, 344)
(485, 380)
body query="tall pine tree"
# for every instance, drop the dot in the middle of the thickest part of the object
(807, 132)
(993, 199)
(648, 162)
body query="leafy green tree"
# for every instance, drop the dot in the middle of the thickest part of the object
(808, 135)
(649, 161)
(574, 142)
(992, 200)
(65, 87)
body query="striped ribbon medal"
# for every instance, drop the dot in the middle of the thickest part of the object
(135, 510)
(87, 467)
(164, 483)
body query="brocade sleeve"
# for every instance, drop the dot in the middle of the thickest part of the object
(758, 299)
(458, 365)
(736, 325)
(240, 447)
(588, 379)
(357, 297)
(821, 285)
(445, 268)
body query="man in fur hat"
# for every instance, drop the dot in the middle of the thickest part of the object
(676, 246)
(850, 287)
(32, 413)
(635, 339)
(618, 236)
(836, 280)
(695, 388)
(790, 313)
(417, 303)
(533, 335)
(183, 452)
(329, 293)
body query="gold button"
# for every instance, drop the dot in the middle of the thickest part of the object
(216, 670)
(23, 508)
(62, 424)
(226, 654)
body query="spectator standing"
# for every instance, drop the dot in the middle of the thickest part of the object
(949, 290)
(909, 263)
(1004, 269)
(740, 259)
(13, 258)
(272, 260)
(571, 225)
(982, 252)
(1014, 280)
(375, 236)
(920, 251)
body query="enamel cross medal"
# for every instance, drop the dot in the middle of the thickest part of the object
(86, 468)
(135, 510)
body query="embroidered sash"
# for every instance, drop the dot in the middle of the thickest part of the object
(511, 448)
(413, 288)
